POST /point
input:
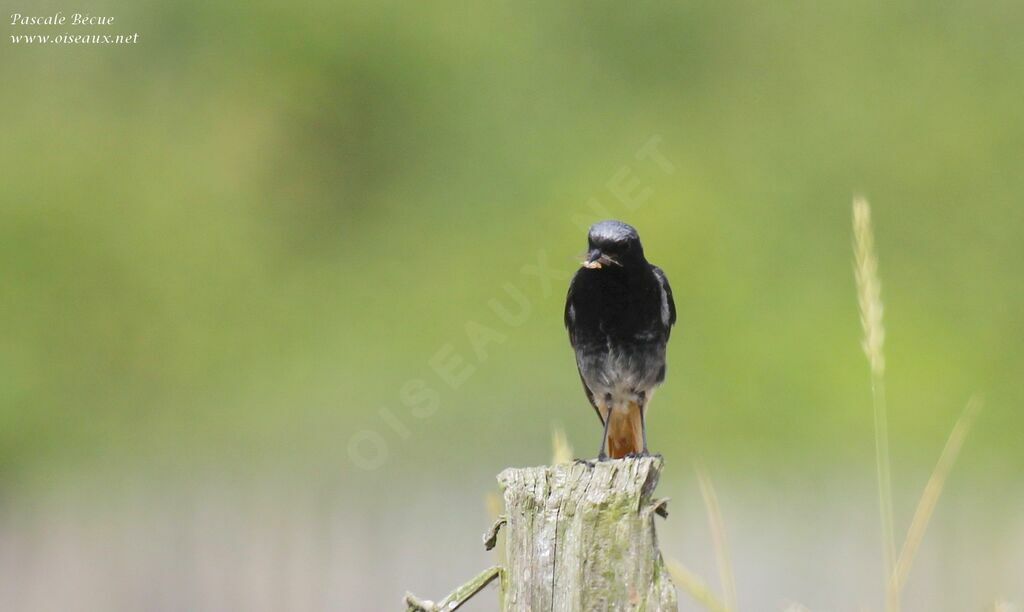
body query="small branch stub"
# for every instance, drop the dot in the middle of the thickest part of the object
(456, 598)
(491, 537)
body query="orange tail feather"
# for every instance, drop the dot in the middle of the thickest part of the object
(625, 432)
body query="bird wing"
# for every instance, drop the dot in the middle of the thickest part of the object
(570, 326)
(590, 394)
(668, 305)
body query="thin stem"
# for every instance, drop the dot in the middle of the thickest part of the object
(457, 597)
(932, 491)
(883, 467)
(869, 297)
(717, 524)
(694, 586)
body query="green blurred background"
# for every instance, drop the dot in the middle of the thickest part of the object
(224, 251)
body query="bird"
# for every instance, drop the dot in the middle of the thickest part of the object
(619, 313)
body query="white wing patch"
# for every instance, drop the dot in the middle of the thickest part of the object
(666, 312)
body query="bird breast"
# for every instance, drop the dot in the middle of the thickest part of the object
(624, 370)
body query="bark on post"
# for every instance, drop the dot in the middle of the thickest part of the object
(579, 538)
(582, 537)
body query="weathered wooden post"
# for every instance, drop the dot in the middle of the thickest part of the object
(580, 537)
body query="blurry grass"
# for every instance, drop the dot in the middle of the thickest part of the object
(561, 449)
(691, 583)
(932, 491)
(869, 290)
(897, 570)
(869, 296)
(725, 572)
(694, 586)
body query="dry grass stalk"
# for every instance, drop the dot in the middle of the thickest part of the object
(869, 296)
(869, 287)
(561, 449)
(725, 571)
(694, 586)
(932, 491)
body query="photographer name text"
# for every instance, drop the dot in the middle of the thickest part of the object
(59, 18)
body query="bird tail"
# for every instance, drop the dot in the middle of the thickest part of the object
(625, 431)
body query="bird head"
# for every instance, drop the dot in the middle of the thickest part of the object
(612, 243)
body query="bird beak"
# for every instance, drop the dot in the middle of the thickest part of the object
(593, 259)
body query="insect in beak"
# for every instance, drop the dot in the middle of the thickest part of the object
(595, 260)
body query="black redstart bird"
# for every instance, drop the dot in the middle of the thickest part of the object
(619, 313)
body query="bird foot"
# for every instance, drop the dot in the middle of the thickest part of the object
(586, 462)
(643, 453)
